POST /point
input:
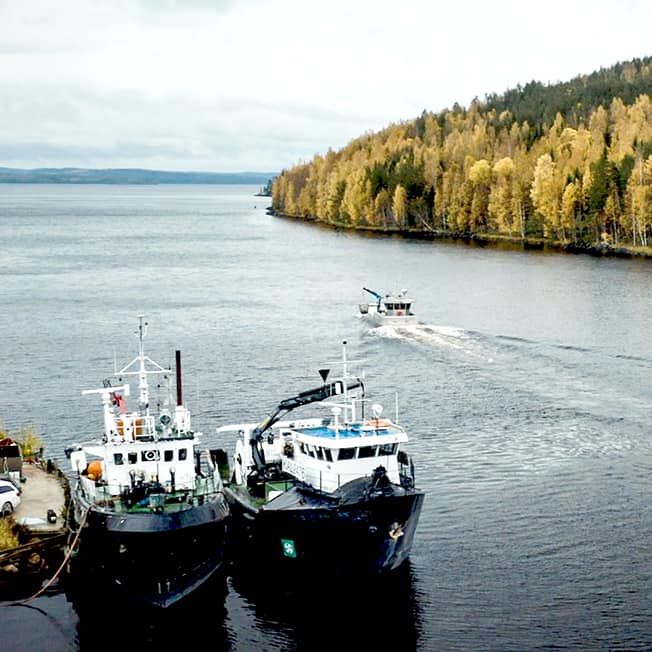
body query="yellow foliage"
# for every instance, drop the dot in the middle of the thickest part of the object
(26, 437)
(399, 204)
(8, 534)
(481, 170)
(505, 166)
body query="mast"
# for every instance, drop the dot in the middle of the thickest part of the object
(143, 400)
(139, 367)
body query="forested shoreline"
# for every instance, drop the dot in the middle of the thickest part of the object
(502, 170)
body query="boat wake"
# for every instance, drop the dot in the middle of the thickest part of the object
(432, 334)
(542, 373)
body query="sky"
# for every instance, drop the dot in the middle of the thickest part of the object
(263, 85)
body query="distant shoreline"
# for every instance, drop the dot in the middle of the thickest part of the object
(130, 177)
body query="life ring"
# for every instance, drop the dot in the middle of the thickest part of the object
(150, 456)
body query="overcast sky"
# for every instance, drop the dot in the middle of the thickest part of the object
(260, 85)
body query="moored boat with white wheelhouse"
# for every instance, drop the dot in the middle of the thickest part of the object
(149, 511)
(332, 493)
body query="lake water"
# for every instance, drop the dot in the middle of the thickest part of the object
(526, 389)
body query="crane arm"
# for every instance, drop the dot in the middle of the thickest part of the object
(379, 297)
(304, 398)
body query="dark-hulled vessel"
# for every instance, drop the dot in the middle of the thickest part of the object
(333, 494)
(149, 512)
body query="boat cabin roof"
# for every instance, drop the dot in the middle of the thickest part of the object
(351, 434)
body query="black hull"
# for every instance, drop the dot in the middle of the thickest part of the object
(355, 533)
(151, 560)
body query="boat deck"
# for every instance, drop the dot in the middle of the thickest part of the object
(41, 492)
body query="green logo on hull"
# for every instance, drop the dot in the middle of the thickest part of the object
(288, 548)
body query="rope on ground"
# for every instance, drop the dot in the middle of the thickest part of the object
(63, 563)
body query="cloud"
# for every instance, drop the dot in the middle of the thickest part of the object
(232, 85)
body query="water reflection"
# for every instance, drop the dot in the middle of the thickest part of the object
(195, 623)
(36, 622)
(325, 613)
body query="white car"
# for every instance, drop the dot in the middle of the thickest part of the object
(9, 497)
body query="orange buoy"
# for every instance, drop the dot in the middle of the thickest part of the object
(94, 470)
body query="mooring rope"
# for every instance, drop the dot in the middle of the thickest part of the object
(61, 567)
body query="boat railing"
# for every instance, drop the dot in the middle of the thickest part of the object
(329, 481)
(113, 497)
(133, 427)
(144, 429)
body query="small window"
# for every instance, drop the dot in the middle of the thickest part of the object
(168, 456)
(118, 459)
(347, 453)
(367, 451)
(327, 454)
(132, 458)
(302, 447)
(310, 450)
(320, 453)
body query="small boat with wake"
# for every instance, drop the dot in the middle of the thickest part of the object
(394, 309)
(149, 512)
(329, 493)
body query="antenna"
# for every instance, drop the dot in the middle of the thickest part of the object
(139, 367)
(142, 328)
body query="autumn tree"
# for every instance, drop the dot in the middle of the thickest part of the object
(500, 198)
(400, 205)
(544, 195)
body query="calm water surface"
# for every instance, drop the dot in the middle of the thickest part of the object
(526, 388)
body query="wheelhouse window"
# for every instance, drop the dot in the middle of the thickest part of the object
(168, 456)
(320, 453)
(387, 449)
(367, 451)
(118, 459)
(347, 453)
(132, 458)
(183, 454)
(328, 455)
